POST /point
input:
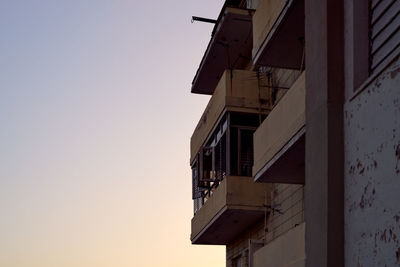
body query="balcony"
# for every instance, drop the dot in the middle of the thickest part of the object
(237, 91)
(279, 143)
(229, 48)
(286, 250)
(235, 204)
(278, 34)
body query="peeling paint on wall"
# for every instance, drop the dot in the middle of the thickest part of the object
(372, 173)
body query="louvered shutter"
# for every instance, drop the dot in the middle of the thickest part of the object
(384, 30)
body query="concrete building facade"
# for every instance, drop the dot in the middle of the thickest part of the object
(296, 158)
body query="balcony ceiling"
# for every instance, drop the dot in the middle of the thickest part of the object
(283, 46)
(227, 225)
(288, 165)
(229, 48)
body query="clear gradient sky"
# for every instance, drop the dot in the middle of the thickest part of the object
(95, 121)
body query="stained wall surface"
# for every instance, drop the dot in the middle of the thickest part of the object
(288, 201)
(372, 172)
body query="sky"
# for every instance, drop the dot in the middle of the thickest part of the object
(95, 123)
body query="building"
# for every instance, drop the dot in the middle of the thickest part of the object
(296, 158)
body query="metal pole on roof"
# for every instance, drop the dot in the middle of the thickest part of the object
(203, 20)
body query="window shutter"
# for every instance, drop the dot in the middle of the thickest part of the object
(384, 30)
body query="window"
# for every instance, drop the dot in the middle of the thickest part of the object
(228, 151)
(384, 31)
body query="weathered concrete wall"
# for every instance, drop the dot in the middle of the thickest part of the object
(289, 202)
(263, 19)
(287, 117)
(238, 248)
(372, 172)
(234, 193)
(287, 250)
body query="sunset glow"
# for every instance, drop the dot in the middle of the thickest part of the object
(96, 116)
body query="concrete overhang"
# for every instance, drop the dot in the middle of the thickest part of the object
(236, 204)
(229, 48)
(279, 142)
(280, 43)
(288, 165)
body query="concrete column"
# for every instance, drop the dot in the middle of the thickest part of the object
(324, 190)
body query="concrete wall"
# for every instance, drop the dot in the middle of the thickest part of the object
(324, 161)
(284, 121)
(280, 79)
(289, 202)
(287, 250)
(372, 172)
(234, 192)
(211, 207)
(263, 19)
(239, 247)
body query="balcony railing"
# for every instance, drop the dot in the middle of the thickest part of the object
(279, 141)
(278, 34)
(235, 204)
(264, 19)
(237, 91)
